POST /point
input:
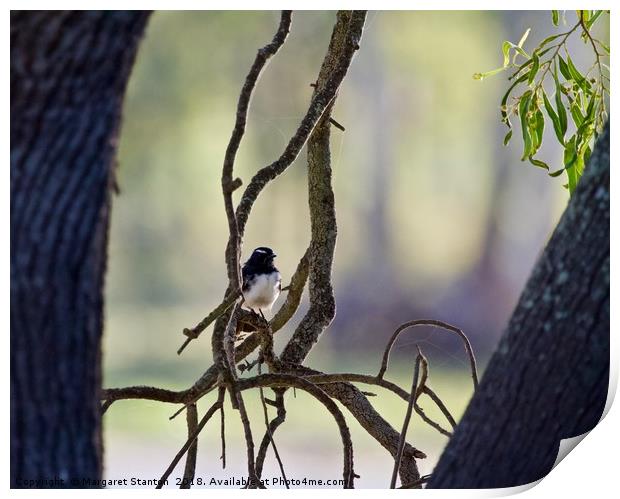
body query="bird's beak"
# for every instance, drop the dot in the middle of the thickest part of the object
(274, 255)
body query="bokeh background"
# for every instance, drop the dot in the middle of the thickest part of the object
(437, 219)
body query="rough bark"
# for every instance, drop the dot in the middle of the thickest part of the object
(548, 378)
(68, 76)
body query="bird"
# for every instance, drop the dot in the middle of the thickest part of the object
(262, 282)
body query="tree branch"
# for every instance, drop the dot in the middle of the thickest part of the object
(403, 433)
(192, 453)
(191, 438)
(438, 324)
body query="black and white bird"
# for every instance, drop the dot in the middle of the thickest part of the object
(261, 280)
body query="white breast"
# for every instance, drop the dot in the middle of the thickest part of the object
(263, 291)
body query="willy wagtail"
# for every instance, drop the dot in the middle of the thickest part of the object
(262, 282)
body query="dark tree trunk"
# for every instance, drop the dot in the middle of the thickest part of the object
(68, 76)
(548, 378)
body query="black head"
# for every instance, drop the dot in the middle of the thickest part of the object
(262, 256)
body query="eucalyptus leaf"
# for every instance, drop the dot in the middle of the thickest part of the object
(482, 76)
(524, 104)
(506, 46)
(559, 104)
(505, 100)
(538, 163)
(564, 68)
(556, 173)
(523, 38)
(557, 126)
(576, 114)
(583, 82)
(593, 19)
(570, 158)
(534, 69)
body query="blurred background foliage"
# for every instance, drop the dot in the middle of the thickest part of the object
(436, 218)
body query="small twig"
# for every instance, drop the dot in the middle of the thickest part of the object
(273, 426)
(223, 436)
(192, 453)
(105, 406)
(194, 332)
(428, 391)
(421, 385)
(435, 323)
(336, 124)
(403, 433)
(191, 439)
(269, 433)
(430, 422)
(193, 401)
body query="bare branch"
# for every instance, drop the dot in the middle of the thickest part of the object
(191, 438)
(144, 392)
(435, 323)
(376, 426)
(295, 291)
(344, 42)
(272, 427)
(289, 380)
(263, 55)
(194, 332)
(428, 391)
(269, 435)
(224, 356)
(223, 436)
(192, 453)
(321, 99)
(403, 433)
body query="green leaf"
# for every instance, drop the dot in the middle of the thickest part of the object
(538, 163)
(508, 137)
(605, 47)
(586, 155)
(482, 76)
(524, 105)
(570, 158)
(583, 83)
(534, 70)
(592, 106)
(592, 20)
(537, 129)
(557, 126)
(556, 173)
(576, 114)
(523, 38)
(564, 69)
(555, 17)
(549, 39)
(527, 63)
(506, 46)
(559, 104)
(505, 100)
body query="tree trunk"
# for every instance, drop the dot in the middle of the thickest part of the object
(68, 75)
(548, 378)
